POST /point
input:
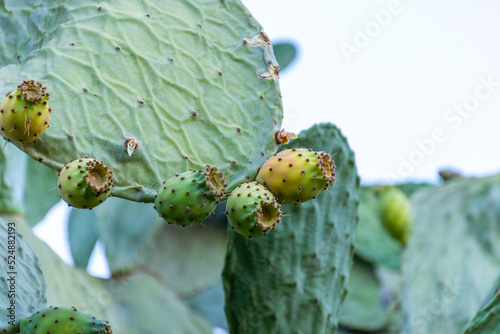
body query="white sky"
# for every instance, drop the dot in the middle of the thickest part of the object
(400, 85)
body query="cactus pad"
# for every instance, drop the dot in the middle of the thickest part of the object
(295, 279)
(22, 284)
(451, 261)
(297, 175)
(25, 112)
(190, 197)
(63, 320)
(85, 183)
(252, 210)
(176, 78)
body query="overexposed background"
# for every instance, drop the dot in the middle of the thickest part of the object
(414, 86)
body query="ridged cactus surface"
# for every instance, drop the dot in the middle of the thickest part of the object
(452, 259)
(295, 279)
(151, 88)
(22, 284)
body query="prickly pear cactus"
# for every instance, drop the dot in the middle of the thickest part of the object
(189, 96)
(487, 320)
(252, 210)
(396, 213)
(297, 175)
(85, 183)
(190, 197)
(63, 320)
(22, 284)
(25, 112)
(374, 244)
(295, 279)
(363, 309)
(451, 261)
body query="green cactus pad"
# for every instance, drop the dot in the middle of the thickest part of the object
(194, 83)
(85, 183)
(451, 260)
(63, 320)
(374, 244)
(22, 284)
(396, 213)
(190, 197)
(297, 175)
(25, 112)
(487, 320)
(363, 309)
(252, 210)
(295, 279)
(82, 236)
(125, 301)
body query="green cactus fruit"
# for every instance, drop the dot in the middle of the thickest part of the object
(396, 213)
(63, 320)
(25, 112)
(190, 197)
(252, 210)
(297, 175)
(85, 183)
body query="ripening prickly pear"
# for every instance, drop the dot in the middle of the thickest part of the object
(85, 183)
(190, 197)
(25, 112)
(252, 210)
(396, 213)
(63, 320)
(297, 175)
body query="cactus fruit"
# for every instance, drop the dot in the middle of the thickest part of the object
(396, 213)
(25, 112)
(297, 175)
(85, 183)
(190, 197)
(252, 210)
(63, 320)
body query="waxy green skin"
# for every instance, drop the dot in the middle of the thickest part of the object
(188, 198)
(63, 320)
(24, 116)
(297, 175)
(76, 187)
(244, 206)
(396, 213)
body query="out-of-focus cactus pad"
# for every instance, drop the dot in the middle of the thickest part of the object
(363, 309)
(22, 284)
(193, 82)
(374, 244)
(452, 258)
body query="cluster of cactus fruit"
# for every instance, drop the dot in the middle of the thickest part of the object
(289, 177)
(253, 207)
